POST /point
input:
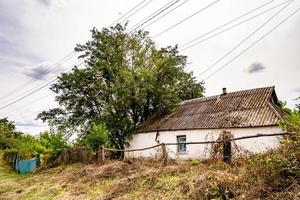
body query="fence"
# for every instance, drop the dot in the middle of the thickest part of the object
(226, 147)
(22, 166)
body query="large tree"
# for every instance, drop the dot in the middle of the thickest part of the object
(126, 80)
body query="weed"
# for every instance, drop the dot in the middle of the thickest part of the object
(195, 162)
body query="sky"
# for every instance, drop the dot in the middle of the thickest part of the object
(35, 34)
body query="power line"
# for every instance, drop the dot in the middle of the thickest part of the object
(227, 23)
(159, 11)
(67, 69)
(136, 11)
(153, 15)
(30, 93)
(43, 74)
(227, 29)
(68, 56)
(183, 20)
(31, 102)
(64, 59)
(166, 13)
(245, 39)
(262, 37)
(127, 12)
(35, 90)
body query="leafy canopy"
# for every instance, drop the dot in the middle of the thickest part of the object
(126, 80)
(13, 141)
(8, 133)
(291, 121)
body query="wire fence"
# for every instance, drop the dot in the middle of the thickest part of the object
(224, 141)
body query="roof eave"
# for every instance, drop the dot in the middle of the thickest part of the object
(191, 129)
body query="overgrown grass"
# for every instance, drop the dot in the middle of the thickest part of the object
(7, 173)
(273, 175)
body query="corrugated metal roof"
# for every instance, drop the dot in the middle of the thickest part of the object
(247, 108)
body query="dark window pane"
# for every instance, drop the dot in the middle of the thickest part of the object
(181, 147)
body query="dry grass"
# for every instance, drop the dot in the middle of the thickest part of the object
(143, 179)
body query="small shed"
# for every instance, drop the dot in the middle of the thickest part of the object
(240, 113)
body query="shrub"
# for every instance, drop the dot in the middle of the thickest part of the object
(291, 123)
(96, 137)
(278, 169)
(53, 144)
(7, 155)
(8, 133)
(27, 146)
(218, 192)
(195, 162)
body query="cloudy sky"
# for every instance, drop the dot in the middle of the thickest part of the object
(35, 34)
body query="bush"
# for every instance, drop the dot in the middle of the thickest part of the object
(27, 146)
(195, 162)
(7, 155)
(291, 123)
(54, 143)
(96, 137)
(278, 169)
(218, 192)
(8, 134)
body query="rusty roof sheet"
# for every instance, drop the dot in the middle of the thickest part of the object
(247, 108)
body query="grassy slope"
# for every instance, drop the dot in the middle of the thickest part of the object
(138, 179)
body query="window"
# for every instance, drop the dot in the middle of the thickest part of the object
(181, 146)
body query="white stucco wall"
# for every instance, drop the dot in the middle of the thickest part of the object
(195, 151)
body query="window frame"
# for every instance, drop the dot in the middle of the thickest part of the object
(181, 147)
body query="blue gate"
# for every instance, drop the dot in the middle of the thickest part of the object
(25, 166)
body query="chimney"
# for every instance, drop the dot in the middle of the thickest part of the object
(224, 91)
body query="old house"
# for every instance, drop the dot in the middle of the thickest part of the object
(241, 113)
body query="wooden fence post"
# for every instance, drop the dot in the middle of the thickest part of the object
(101, 155)
(164, 154)
(38, 160)
(226, 151)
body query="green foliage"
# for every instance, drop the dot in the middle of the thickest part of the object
(8, 133)
(97, 136)
(9, 126)
(279, 168)
(15, 141)
(127, 80)
(291, 122)
(276, 163)
(285, 109)
(26, 146)
(167, 182)
(7, 175)
(53, 141)
(218, 192)
(195, 162)
(298, 105)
